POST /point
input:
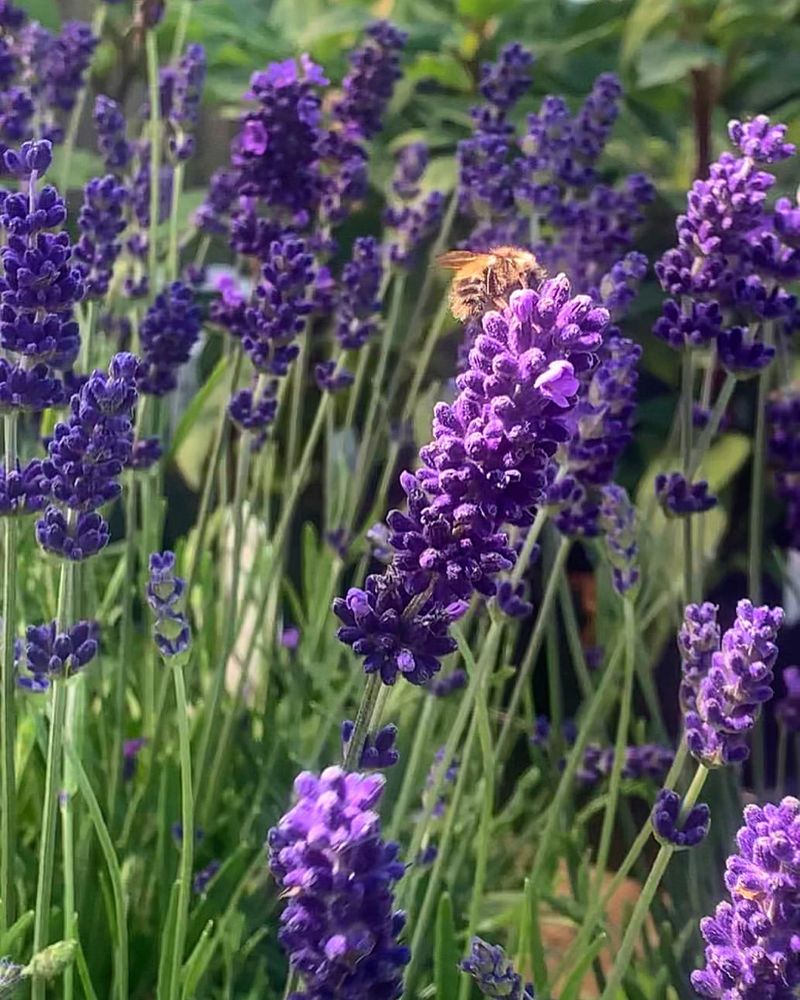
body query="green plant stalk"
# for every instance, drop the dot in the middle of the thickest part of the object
(366, 719)
(181, 27)
(623, 725)
(707, 434)
(420, 922)
(523, 674)
(755, 567)
(151, 48)
(211, 472)
(73, 740)
(647, 894)
(87, 334)
(413, 773)
(115, 876)
(231, 612)
(47, 844)
(8, 781)
(487, 807)
(687, 398)
(299, 372)
(71, 136)
(573, 638)
(354, 392)
(423, 361)
(371, 426)
(173, 253)
(187, 820)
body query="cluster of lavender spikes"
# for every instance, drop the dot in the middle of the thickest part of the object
(489, 465)
(328, 856)
(726, 682)
(751, 942)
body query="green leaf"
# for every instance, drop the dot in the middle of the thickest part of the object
(442, 67)
(191, 414)
(669, 60)
(446, 954)
(642, 21)
(571, 988)
(484, 10)
(724, 459)
(197, 963)
(83, 166)
(46, 12)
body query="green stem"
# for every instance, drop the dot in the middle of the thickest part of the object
(354, 392)
(548, 598)
(187, 821)
(151, 47)
(299, 372)
(647, 895)
(87, 333)
(8, 815)
(68, 147)
(687, 398)
(47, 844)
(364, 722)
(173, 257)
(210, 475)
(422, 362)
(620, 745)
(181, 27)
(73, 743)
(706, 435)
(412, 776)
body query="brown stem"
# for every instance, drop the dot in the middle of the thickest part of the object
(703, 97)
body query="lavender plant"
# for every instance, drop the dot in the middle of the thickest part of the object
(251, 483)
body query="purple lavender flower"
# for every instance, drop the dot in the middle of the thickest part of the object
(53, 655)
(410, 217)
(130, 757)
(166, 595)
(359, 302)
(679, 832)
(449, 778)
(646, 760)
(145, 452)
(511, 600)
(493, 972)
(760, 140)
(23, 490)
(168, 332)
(368, 87)
(109, 124)
(101, 222)
(39, 287)
(86, 456)
(723, 699)
(186, 94)
(787, 710)
(202, 878)
(617, 518)
(751, 951)
(488, 465)
(330, 861)
(783, 451)
(679, 498)
(290, 638)
(443, 687)
(379, 752)
(331, 378)
(212, 216)
(698, 639)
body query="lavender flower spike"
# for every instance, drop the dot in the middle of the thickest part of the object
(331, 863)
(724, 699)
(751, 942)
(678, 497)
(165, 595)
(679, 832)
(493, 972)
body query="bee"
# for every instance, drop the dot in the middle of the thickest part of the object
(484, 280)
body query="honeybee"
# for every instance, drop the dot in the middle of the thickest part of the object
(484, 280)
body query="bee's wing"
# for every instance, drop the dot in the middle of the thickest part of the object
(466, 262)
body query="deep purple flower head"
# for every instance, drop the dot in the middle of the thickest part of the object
(213, 215)
(645, 760)
(379, 751)
(202, 878)
(369, 85)
(511, 600)
(443, 687)
(617, 518)
(168, 332)
(698, 639)
(787, 709)
(331, 377)
(359, 301)
(760, 140)
(86, 456)
(186, 94)
(504, 82)
(145, 452)
(751, 942)
(109, 124)
(671, 828)
(493, 973)
(741, 355)
(23, 490)
(52, 655)
(618, 288)
(101, 223)
(411, 162)
(328, 857)
(679, 498)
(723, 696)
(783, 450)
(166, 596)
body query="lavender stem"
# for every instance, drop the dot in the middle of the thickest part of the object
(8, 815)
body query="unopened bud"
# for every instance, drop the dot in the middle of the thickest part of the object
(51, 961)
